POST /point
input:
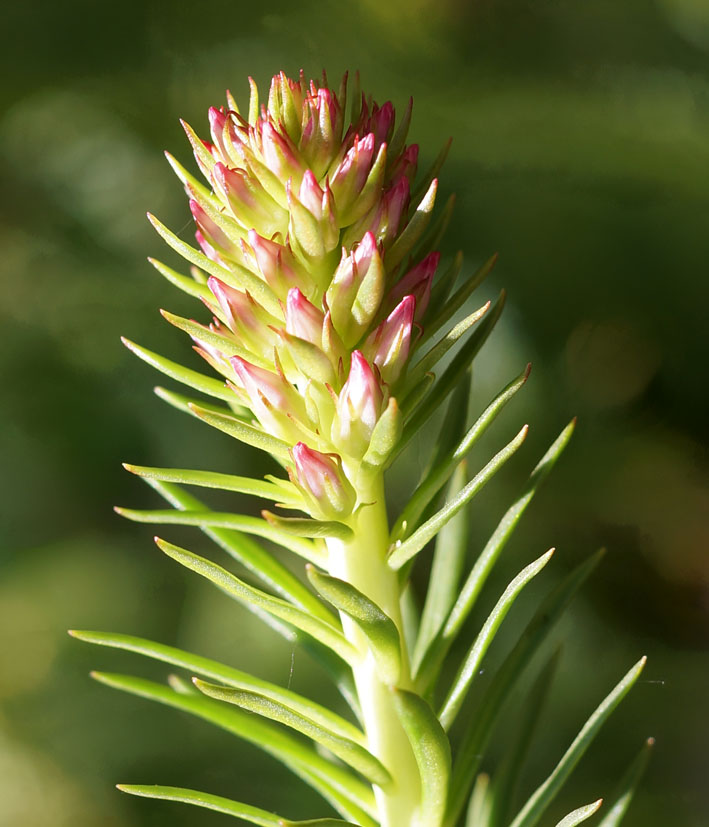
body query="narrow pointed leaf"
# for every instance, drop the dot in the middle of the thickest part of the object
(189, 181)
(185, 283)
(223, 482)
(458, 299)
(453, 374)
(431, 751)
(627, 786)
(432, 238)
(379, 629)
(244, 432)
(352, 753)
(436, 476)
(192, 378)
(433, 170)
(413, 230)
(398, 140)
(479, 807)
(253, 815)
(477, 736)
(219, 519)
(249, 553)
(471, 663)
(442, 287)
(236, 588)
(402, 552)
(185, 403)
(583, 813)
(544, 794)
(489, 555)
(305, 527)
(448, 561)
(351, 797)
(208, 668)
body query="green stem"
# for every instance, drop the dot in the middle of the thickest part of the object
(361, 561)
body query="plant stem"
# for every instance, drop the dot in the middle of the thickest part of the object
(362, 563)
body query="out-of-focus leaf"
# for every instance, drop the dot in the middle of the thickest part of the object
(305, 527)
(626, 788)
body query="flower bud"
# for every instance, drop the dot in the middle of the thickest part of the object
(321, 129)
(417, 283)
(248, 201)
(388, 346)
(321, 479)
(303, 319)
(359, 406)
(277, 265)
(245, 317)
(280, 154)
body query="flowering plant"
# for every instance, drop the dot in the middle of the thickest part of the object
(331, 321)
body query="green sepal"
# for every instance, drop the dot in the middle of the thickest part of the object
(185, 283)
(379, 629)
(305, 527)
(350, 796)
(413, 230)
(208, 668)
(489, 555)
(446, 462)
(322, 631)
(430, 359)
(352, 753)
(192, 378)
(626, 788)
(244, 432)
(448, 560)
(453, 374)
(431, 751)
(223, 482)
(220, 519)
(477, 736)
(253, 815)
(471, 663)
(457, 300)
(385, 437)
(583, 813)
(401, 552)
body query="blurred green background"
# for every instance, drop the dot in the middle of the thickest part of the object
(581, 154)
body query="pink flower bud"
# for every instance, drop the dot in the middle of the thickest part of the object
(389, 344)
(417, 283)
(359, 406)
(217, 121)
(277, 265)
(303, 319)
(211, 232)
(351, 173)
(280, 154)
(245, 318)
(248, 201)
(381, 122)
(322, 480)
(406, 163)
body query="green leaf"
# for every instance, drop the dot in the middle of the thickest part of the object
(352, 753)
(249, 553)
(398, 140)
(453, 374)
(431, 751)
(218, 519)
(413, 229)
(544, 794)
(580, 815)
(457, 300)
(254, 815)
(189, 180)
(443, 285)
(208, 668)
(436, 476)
(185, 403)
(508, 773)
(385, 436)
(305, 527)
(236, 276)
(192, 378)
(478, 814)
(483, 565)
(224, 482)
(430, 359)
(626, 788)
(432, 171)
(404, 551)
(477, 736)
(379, 629)
(435, 232)
(448, 561)
(471, 663)
(350, 796)
(244, 432)
(323, 631)
(185, 283)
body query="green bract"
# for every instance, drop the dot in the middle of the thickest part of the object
(316, 259)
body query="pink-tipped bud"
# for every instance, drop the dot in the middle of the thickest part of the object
(217, 121)
(303, 319)
(277, 264)
(322, 128)
(381, 122)
(406, 163)
(388, 346)
(417, 283)
(211, 232)
(248, 201)
(351, 173)
(359, 406)
(280, 154)
(310, 194)
(322, 480)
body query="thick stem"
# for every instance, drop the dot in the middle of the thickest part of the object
(362, 562)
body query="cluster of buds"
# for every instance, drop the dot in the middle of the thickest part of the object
(320, 276)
